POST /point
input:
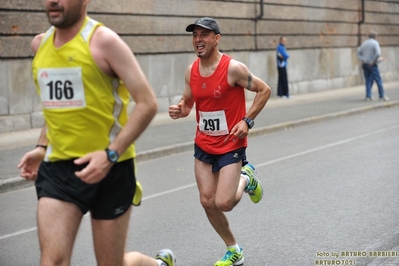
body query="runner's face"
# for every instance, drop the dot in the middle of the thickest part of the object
(64, 13)
(204, 42)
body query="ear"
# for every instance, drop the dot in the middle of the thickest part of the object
(217, 39)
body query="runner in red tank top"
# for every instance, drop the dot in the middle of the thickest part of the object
(216, 83)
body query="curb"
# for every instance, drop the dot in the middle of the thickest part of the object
(173, 149)
(18, 183)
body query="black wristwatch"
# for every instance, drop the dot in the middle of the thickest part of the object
(113, 156)
(249, 122)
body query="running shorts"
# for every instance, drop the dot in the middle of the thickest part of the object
(220, 160)
(108, 199)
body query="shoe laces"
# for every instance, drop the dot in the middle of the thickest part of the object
(229, 256)
(250, 189)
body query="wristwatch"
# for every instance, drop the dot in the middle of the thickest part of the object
(113, 156)
(249, 122)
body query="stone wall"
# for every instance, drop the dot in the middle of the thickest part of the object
(322, 39)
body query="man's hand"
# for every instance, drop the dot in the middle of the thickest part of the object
(30, 162)
(175, 111)
(97, 168)
(239, 131)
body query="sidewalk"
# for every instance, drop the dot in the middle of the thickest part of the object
(166, 136)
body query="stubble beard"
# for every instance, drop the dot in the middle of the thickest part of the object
(66, 19)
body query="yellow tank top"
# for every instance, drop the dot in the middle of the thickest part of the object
(84, 108)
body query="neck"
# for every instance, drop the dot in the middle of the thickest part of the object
(212, 60)
(64, 35)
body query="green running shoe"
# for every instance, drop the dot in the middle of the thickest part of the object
(254, 188)
(232, 257)
(138, 194)
(167, 257)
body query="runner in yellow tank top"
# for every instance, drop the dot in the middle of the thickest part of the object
(79, 100)
(84, 160)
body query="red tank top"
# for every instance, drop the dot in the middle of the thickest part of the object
(219, 107)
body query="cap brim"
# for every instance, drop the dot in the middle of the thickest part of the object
(190, 28)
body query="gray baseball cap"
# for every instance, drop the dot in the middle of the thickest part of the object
(205, 22)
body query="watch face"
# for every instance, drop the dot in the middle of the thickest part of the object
(112, 156)
(251, 123)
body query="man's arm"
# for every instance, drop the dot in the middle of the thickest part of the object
(240, 74)
(35, 43)
(30, 162)
(283, 52)
(114, 57)
(125, 66)
(377, 54)
(183, 108)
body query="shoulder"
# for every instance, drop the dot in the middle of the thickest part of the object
(188, 72)
(106, 40)
(237, 67)
(104, 36)
(189, 68)
(36, 41)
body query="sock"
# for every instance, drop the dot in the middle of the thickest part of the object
(236, 247)
(161, 263)
(246, 180)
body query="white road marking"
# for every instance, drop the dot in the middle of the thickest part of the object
(257, 166)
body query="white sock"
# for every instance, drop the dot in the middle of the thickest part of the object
(236, 247)
(161, 263)
(246, 179)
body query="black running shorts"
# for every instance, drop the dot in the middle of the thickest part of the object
(108, 199)
(220, 160)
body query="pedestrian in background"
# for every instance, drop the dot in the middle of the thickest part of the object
(216, 83)
(369, 52)
(282, 57)
(84, 159)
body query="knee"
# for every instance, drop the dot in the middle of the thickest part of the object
(208, 203)
(222, 204)
(225, 205)
(132, 258)
(52, 260)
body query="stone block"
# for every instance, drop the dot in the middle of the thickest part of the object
(177, 7)
(305, 64)
(4, 104)
(338, 4)
(15, 46)
(304, 87)
(21, 5)
(14, 123)
(20, 97)
(341, 62)
(382, 7)
(337, 83)
(23, 22)
(351, 81)
(319, 85)
(304, 27)
(37, 119)
(163, 104)
(280, 12)
(175, 99)
(160, 75)
(258, 64)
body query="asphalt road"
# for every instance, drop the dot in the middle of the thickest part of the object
(331, 188)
